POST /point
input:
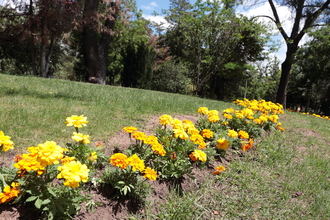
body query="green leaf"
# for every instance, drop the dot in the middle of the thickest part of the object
(31, 198)
(38, 203)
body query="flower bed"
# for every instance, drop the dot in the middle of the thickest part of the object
(52, 178)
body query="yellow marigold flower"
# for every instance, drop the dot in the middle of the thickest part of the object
(138, 135)
(73, 173)
(180, 133)
(263, 118)
(129, 129)
(157, 148)
(207, 133)
(228, 116)
(165, 120)
(225, 123)
(214, 118)
(6, 143)
(119, 160)
(48, 153)
(202, 145)
(247, 112)
(188, 125)
(150, 173)
(192, 131)
(136, 163)
(273, 118)
(243, 134)
(218, 170)
(246, 146)
(28, 163)
(92, 157)
(67, 159)
(9, 193)
(239, 115)
(222, 144)
(257, 121)
(80, 138)
(203, 110)
(197, 139)
(229, 110)
(232, 133)
(76, 121)
(177, 124)
(198, 155)
(151, 140)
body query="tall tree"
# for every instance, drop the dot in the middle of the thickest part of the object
(307, 13)
(98, 21)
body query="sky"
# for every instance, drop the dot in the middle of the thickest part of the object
(150, 6)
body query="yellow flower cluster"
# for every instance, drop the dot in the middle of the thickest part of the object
(261, 106)
(151, 140)
(122, 161)
(92, 157)
(207, 133)
(316, 115)
(212, 115)
(198, 155)
(9, 193)
(6, 143)
(40, 157)
(81, 138)
(77, 121)
(73, 173)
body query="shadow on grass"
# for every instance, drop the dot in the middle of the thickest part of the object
(7, 91)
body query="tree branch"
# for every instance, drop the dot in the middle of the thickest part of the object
(311, 19)
(263, 16)
(277, 20)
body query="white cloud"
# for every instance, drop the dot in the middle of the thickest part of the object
(151, 6)
(158, 19)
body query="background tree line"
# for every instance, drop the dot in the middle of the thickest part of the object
(208, 49)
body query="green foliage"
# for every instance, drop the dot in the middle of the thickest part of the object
(124, 183)
(216, 45)
(172, 77)
(310, 84)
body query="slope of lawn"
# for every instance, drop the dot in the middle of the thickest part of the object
(33, 110)
(287, 176)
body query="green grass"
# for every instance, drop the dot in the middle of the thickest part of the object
(265, 183)
(260, 185)
(33, 110)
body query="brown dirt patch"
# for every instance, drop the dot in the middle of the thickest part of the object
(308, 132)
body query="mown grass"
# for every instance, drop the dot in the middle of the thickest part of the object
(33, 110)
(287, 176)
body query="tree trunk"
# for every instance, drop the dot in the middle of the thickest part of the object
(93, 51)
(285, 73)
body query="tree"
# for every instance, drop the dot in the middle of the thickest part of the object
(98, 22)
(310, 87)
(32, 30)
(306, 12)
(215, 44)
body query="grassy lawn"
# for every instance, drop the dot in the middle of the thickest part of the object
(287, 176)
(33, 110)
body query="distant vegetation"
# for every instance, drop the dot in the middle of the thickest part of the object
(208, 49)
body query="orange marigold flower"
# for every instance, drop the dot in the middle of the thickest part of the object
(247, 146)
(222, 144)
(9, 193)
(218, 170)
(119, 160)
